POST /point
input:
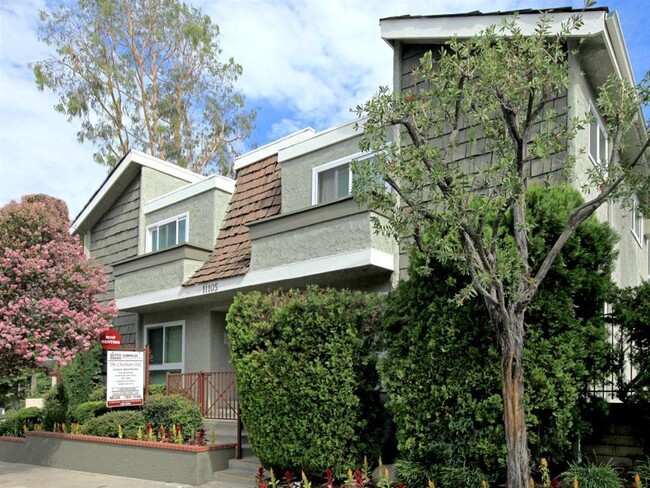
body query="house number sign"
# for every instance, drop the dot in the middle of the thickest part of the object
(210, 287)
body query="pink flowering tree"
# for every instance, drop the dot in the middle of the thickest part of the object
(49, 305)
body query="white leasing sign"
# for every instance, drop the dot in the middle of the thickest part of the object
(125, 378)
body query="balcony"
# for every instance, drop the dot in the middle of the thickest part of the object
(159, 270)
(324, 238)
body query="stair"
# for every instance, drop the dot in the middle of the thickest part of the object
(240, 472)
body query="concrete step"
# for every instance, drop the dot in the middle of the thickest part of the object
(246, 465)
(234, 479)
(221, 427)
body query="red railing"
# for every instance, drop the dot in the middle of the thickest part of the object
(214, 391)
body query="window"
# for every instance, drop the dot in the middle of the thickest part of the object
(167, 233)
(166, 347)
(332, 181)
(598, 142)
(637, 220)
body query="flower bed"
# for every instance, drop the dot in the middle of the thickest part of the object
(179, 463)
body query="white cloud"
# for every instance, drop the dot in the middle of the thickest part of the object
(38, 149)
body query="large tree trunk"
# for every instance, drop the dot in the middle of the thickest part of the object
(511, 339)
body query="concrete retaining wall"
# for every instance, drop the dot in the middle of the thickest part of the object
(193, 465)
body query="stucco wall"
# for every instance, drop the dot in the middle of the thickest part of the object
(113, 456)
(159, 277)
(115, 238)
(632, 261)
(154, 184)
(297, 172)
(206, 212)
(204, 348)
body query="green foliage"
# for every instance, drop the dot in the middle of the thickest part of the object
(83, 412)
(306, 376)
(168, 410)
(146, 74)
(158, 389)
(16, 421)
(456, 476)
(98, 394)
(82, 376)
(107, 425)
(592, 476)
(631, 312)
(441, 368)
(55, 407)
(412, 473)
(643, 470)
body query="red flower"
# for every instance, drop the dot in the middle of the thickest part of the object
(287, 477)
(400, 485)
(555, 483)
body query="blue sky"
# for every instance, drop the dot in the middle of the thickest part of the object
(306, 64)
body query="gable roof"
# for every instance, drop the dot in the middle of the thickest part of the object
(257, 196)
(119, 178)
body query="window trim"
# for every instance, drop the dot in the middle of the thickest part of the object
(316, 170)
(165, 366)
(601, 128)
(176, 218)
(635, 212)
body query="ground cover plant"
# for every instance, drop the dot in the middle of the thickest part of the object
(306, 376)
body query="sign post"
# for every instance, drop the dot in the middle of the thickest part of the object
(127, 377)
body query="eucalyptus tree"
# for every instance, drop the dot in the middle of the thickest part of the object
(146, 74)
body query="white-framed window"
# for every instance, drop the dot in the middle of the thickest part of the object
(636, 220)
(598, 144)
(167, 233)
(333, 180)
(166, 345)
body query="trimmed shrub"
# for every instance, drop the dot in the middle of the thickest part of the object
(107, 425)
(88, 410)
(168, 410)
(442, 364)
(592, 476)
(55, 407)
(306, 377)
(158, 389)
(16, 421)
(98, 394)
(82, 376)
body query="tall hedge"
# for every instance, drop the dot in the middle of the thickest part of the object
(441, 367)
(306, 375)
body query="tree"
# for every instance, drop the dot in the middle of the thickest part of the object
(48, 303)
(145, 74)
(494, 91)
(631, 313)
(445, 399)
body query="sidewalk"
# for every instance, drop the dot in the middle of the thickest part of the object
(14, 475)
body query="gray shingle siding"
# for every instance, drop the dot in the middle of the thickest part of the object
(473, 154)
(115, 238)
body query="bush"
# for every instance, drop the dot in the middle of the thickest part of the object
(158, 389)
(15, 422)
(98, 394)
(168, 410)
(82, 376)
(306, 377)
(88, 410)
(592, 476)
(442, 364)
(55, 407)
(107, 425)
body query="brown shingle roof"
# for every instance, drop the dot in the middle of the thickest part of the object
(257, 196)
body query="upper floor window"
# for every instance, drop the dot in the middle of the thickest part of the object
(598, 141)
(333, 180)
(637, 220)
(167, 233)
